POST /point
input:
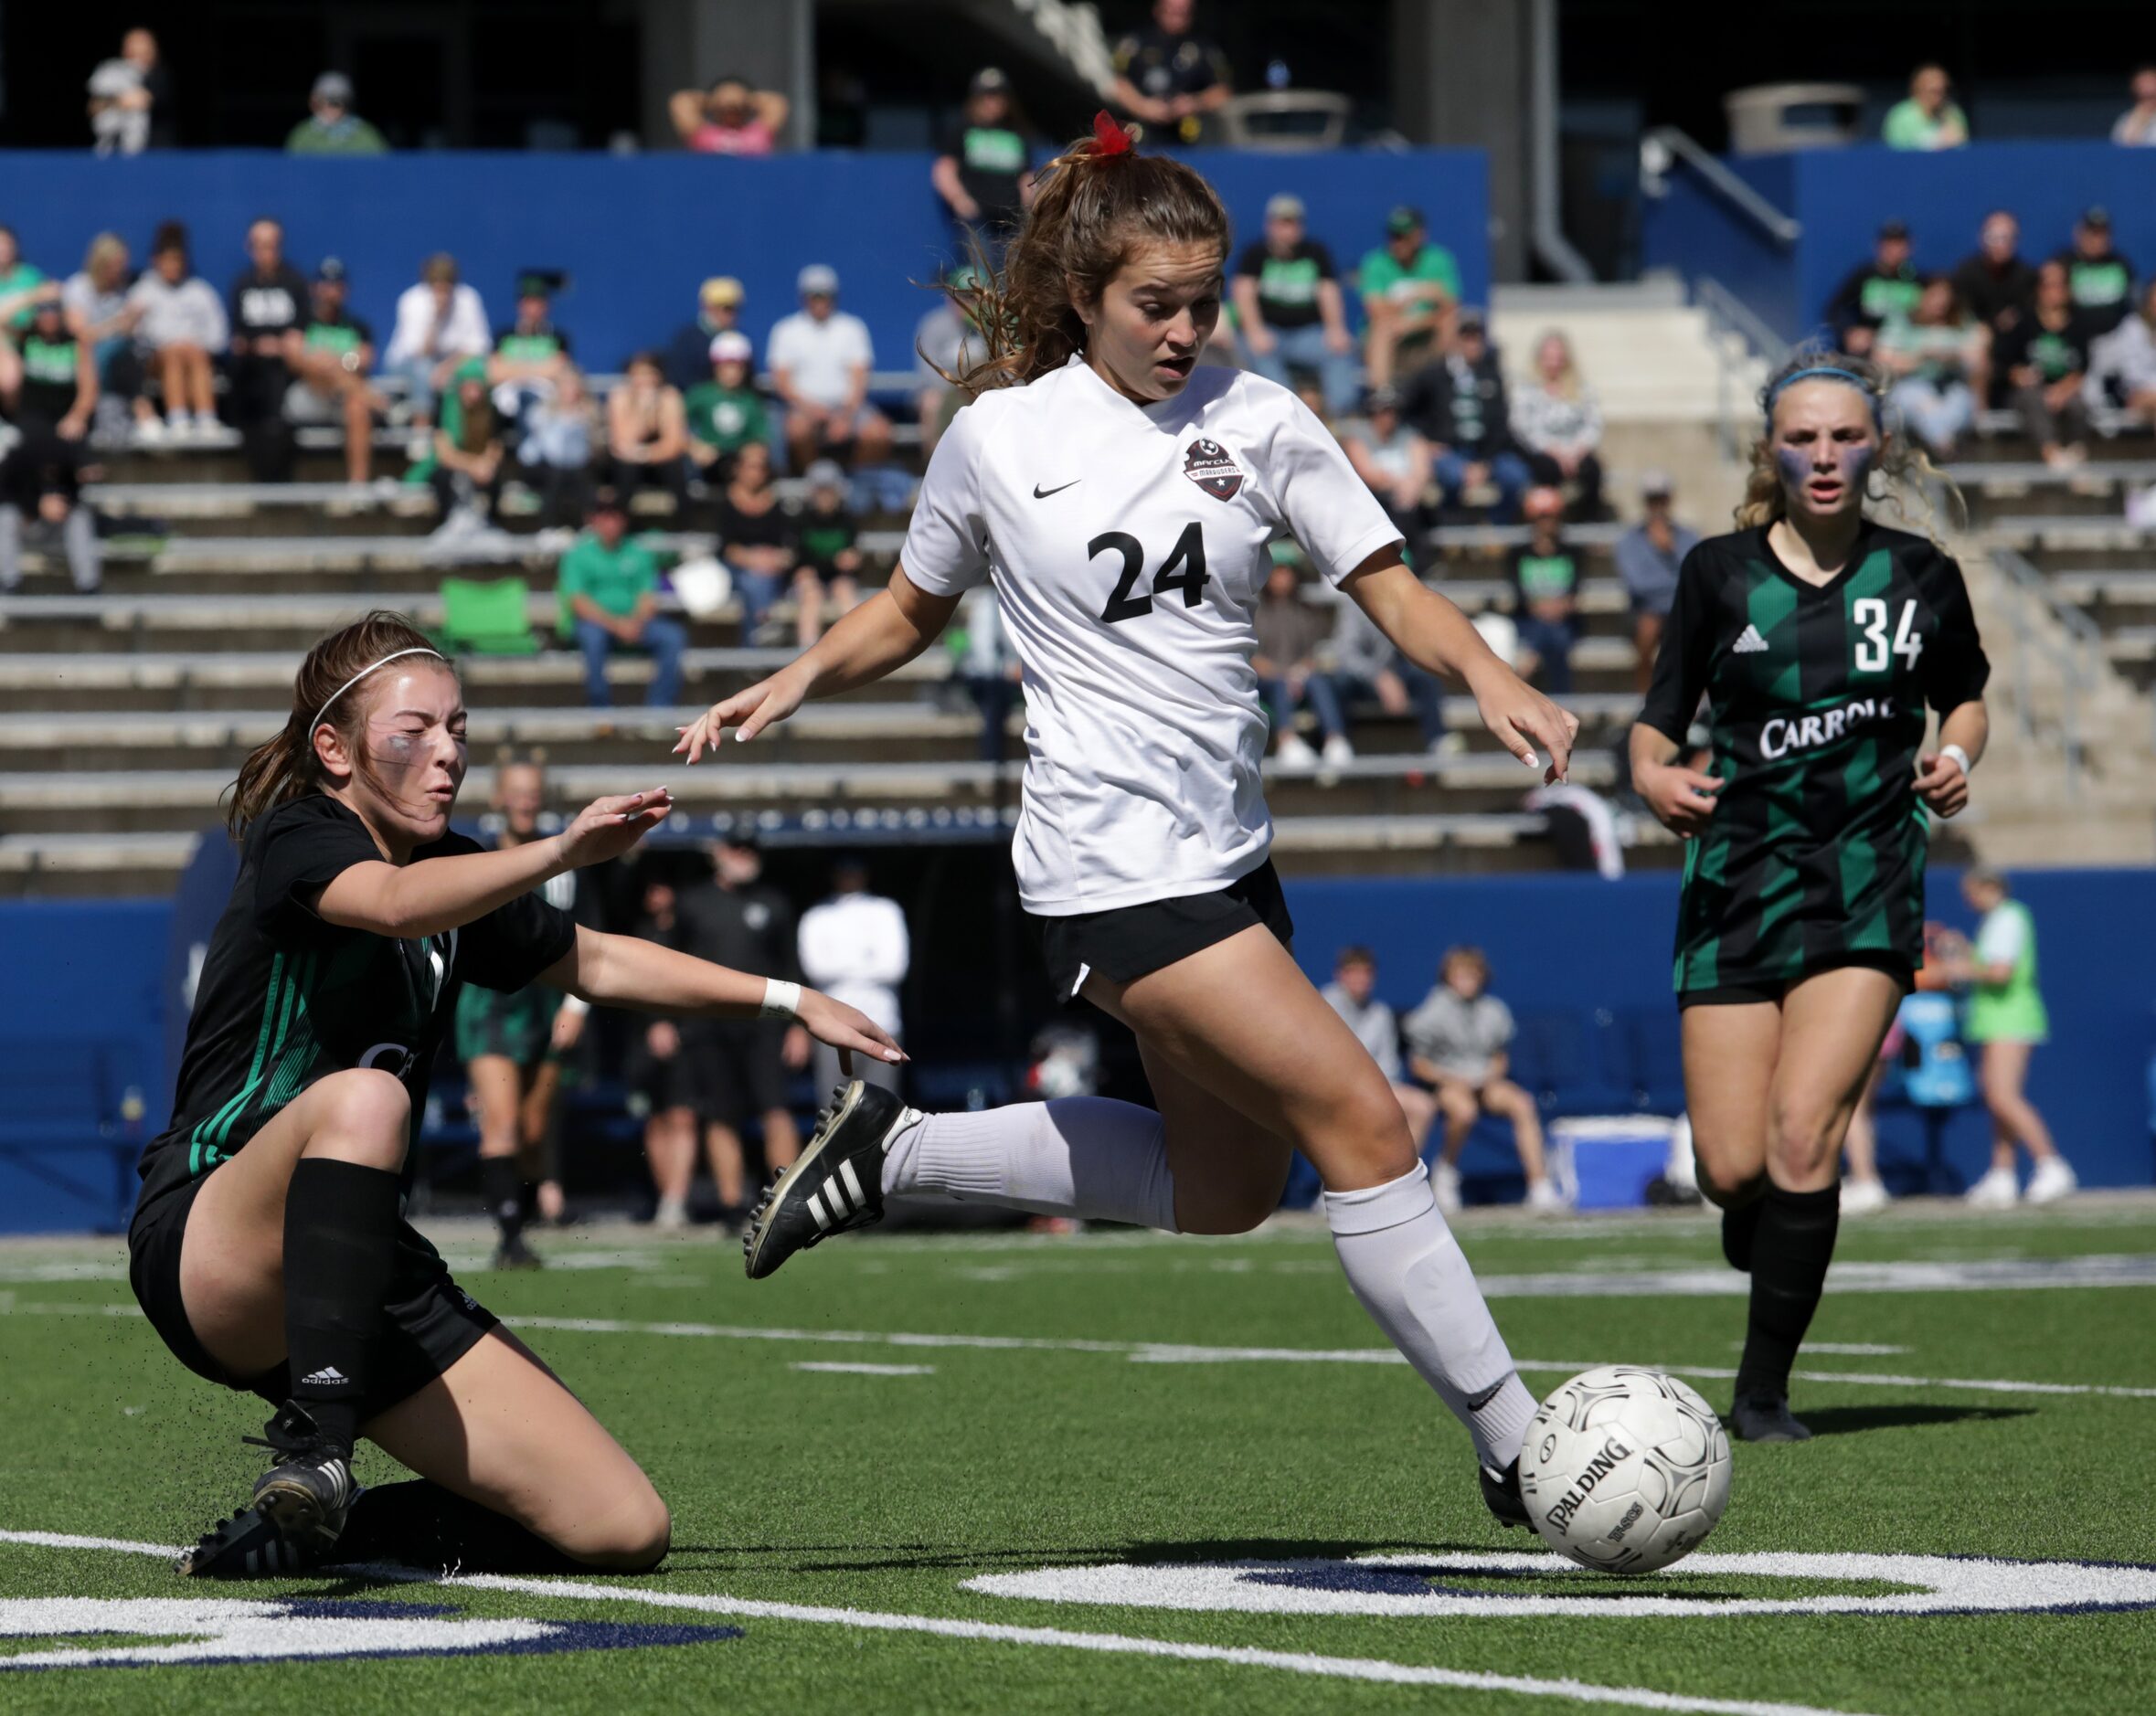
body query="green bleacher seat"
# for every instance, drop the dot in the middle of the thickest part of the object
(487, 616)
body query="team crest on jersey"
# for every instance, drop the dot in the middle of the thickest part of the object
(1213, 468)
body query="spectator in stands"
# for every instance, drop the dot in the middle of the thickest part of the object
(440, 324)
(22, 285)
(1410, 296)
(1459, 1043)
(984, 174)
(529, 354)
(1364, 664)
(988, 665)
(1647, 556)
(1352, 994)
(2137, 126)
(1545, 594)
(2101, 277)
(756, 537)
(1290, 630)
(1459, 403)
(855, 947)
(331, 354)
(719, 311)
(724, 411)
(1943, 356)
(2122, 364)
(48, 389)
(1996, 284)
(1928, 119)
(555, 451)
(268, 302)
(609, 583)
(819, 359)
(131, 98)
(731, 118)
(1888, 285)
(1289, 310)
(180, 322)
(2044, 360)
(660, 1074)
(946, 343)
(1393, 459)
(829, 566)
(1558, 422)
(331, 127)
(647, 433)
(468, 453)
(1168, 75)
(98, 310)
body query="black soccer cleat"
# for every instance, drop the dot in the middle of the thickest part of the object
(307, 1493)
(834, 1186)
(1500, 1495)
(1763, 1417)
(514, 1254)
(247, 1546)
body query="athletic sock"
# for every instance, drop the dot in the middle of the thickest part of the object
(502, 1188)
(421, 1524)
(1740, 1231)
(11, 548)
(79, 536)
(340, 1249)
(1790, 1258)
(1411, 1276)
(1081, 1156)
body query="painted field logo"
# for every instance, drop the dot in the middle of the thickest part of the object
(206, 1632)
(1213, 468)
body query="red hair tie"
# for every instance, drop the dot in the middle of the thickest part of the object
(1109, 138)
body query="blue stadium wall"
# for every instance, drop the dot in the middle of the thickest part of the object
(1841, 196)
(636, 235)
(99, 970)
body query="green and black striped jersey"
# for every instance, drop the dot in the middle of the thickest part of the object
(1816, 698)
(286, 997)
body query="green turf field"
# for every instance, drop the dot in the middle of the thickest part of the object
(851, 1448)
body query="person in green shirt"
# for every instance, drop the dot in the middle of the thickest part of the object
(608, 587)
(22, 284)
(330, 355)
(726, 413)
(1928, 119)
(2007, 1020)
(1410, 289)
(331, 127)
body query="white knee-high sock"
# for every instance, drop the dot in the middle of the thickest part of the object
(1083, 1155)
(79, 535)
(1407, 1270)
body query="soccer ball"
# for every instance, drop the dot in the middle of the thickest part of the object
(1625, 1471)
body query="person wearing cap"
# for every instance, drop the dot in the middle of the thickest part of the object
(1411, 290)
(830, 568)
(1393, 459)
(331, 127)
(2102, 278)
(1888, 285)
(608, 584)
(529, 354)
(1289, 304)
(1168, 75)
(724, 411)
(331, 354)
(1929, 118)
(730, 118)
(1647, 556)
(947, 342)
(1459, 404)
(441, 323)
(820, 358)
(984, 174)
(267, 302)
(719, 311)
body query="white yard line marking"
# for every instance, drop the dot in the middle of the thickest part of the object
(1843, 1349)
(838, 1368)
(1364, 1668)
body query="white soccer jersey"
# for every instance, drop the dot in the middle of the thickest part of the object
(1128, 546)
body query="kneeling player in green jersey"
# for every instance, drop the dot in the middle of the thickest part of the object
(1818, 637)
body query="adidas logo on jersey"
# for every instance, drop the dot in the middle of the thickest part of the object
(1749, 642)
(328, 1376)
(1213, 468)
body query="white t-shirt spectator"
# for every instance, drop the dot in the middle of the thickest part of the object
(855, 950)
(464, 335)
(190, 314)
(1457, 1037)
(819, 356)
(81, 298)
(1374, 1025)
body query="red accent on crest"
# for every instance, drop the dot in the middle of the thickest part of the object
(1109, 136)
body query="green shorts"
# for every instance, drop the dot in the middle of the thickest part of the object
(519, 1025)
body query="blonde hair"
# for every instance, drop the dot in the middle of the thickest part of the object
(1567, 383)
(104, 248)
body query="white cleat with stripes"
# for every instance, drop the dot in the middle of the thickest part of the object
(835, 1186)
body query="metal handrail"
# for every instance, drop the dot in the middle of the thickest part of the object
(1727, 315)
(2078, 663)
(1664, 143)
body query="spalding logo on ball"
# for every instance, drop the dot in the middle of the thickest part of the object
(1625, 1471)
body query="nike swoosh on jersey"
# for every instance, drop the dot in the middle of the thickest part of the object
(1040, 494)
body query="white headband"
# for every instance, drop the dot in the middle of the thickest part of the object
(393, 656)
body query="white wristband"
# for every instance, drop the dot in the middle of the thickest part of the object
(780, 1000)
(575, 1006)
(1958, 755)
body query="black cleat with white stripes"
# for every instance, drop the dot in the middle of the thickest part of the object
(836, 1184)
(297, 1513)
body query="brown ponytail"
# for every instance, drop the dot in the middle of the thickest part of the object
(286, 767)
(1096, 202)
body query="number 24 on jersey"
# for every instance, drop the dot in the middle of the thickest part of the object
(1184, 569)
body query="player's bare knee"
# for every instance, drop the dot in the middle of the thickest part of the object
(636, 1538)
(366, 1118)
(1725, 1185)
(1800, 1136)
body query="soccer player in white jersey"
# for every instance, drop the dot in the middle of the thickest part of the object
(1120, 499)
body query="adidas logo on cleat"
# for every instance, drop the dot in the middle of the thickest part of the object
(328, 1376)
(1749, 642)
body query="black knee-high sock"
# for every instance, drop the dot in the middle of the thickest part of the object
(1789, 1256)
(421, 1524)
(502, 1188)
(1740, 1228)
(340, 1248)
